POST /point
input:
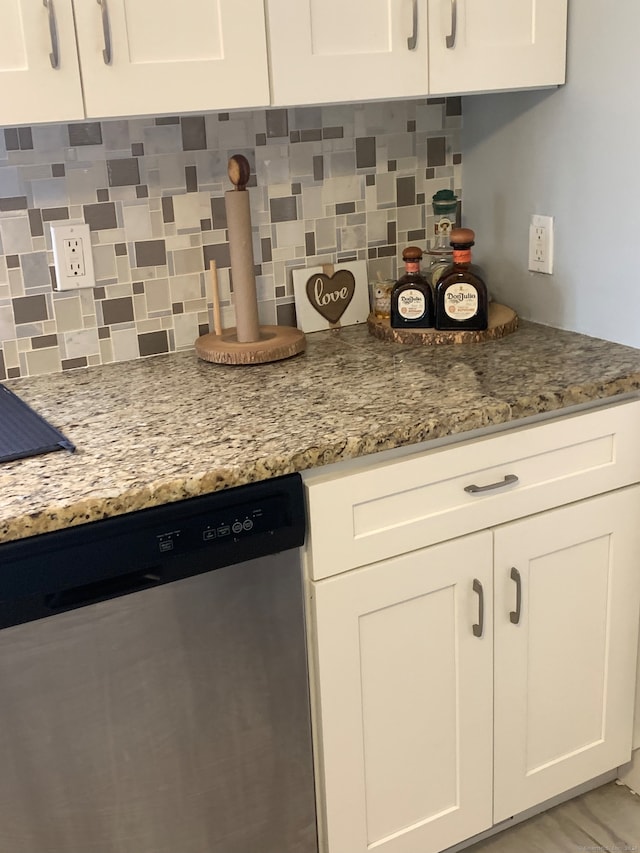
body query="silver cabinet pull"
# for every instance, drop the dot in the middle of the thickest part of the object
(514, 615)
(508, 480)
(54, 56)
(451, 39)
(106, 32)
(412, 41)
(478, 629)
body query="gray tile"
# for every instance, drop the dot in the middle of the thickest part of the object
(310, 244)
(73, 363)
(218, 213)
(153, 343)
(85, 133)
(11, 141)
(35, 222)
(283, 209)
(30, 309)
(265, 245)
(142, 191)
(167, 120)
(332, 132)
(218, 253)
(277, 123)
(167, 209)
(191, 179)
(35, 269)
(58, 170)
(137, 149)
(52, 214)
(25, 138)
(100, 216)
(43, 341)
(318, 168)
(14, 203)
(120, 249)
(406, 191)
(3, 370)
(13, 262)
(436, 151)
(454, 106)
(118, 310)
(194, 134)
(286, 314)
(365, 152)
(102, 195)
(138, 287)
(346, 207)
(311, 135)
(151, 253)
(124, 172)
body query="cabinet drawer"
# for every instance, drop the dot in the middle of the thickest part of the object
(394, 507)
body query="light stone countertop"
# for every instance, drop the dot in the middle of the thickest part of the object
(161, 429)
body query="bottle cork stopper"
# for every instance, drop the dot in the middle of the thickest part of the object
(412, 253)
(462, 236)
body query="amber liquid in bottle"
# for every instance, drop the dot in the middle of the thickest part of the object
(461, 295)
(412, 297)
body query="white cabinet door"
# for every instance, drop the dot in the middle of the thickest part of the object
(322, 51)
(33, 39)
(167, 57)
(564, 674)
(403, 693)
(499, 44)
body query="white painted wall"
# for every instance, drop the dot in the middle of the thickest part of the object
(573, 153)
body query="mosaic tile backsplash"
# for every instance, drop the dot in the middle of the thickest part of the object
(329, 184)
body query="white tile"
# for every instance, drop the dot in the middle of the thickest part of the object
(290, 234)
(337, 190)
(50, 193)
(377, 226)
(186, 209)
(81, 342)
(68, 313)
(104, 262)
(41, 361)
(137, 221)
(185, 287)
(353, 237)
(16, 235)
(10, 183)
(157, 295)
(125, 344)
(186, 330)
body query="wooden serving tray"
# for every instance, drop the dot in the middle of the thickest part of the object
(502, 321)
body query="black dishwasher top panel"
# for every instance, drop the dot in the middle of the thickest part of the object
(24, 432)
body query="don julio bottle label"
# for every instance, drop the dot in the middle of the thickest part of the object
(461, 301)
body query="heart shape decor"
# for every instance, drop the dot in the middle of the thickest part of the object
(331, 295)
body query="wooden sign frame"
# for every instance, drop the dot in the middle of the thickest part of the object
(331, 296)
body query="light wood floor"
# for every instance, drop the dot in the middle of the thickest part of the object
(606, 820)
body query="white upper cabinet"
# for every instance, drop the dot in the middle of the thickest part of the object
(136, 57)
(488, 45)
(141, 57)
(322, 51)
(39, 75)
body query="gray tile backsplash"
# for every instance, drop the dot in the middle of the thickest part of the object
(329, 184)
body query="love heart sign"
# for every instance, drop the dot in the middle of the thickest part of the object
(331, 296)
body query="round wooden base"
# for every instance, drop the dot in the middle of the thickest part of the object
(502, 321)
(276, 343)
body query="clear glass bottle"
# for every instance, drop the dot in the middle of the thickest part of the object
(461, 294)
(445, 211)
(412, 297)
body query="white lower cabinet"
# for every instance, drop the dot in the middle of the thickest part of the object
(462, 683)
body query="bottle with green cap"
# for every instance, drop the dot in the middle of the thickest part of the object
(445, 211)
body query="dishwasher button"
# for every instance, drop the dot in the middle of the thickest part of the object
(223, 530)
(248, 524)
(208, 534)
(237, 527)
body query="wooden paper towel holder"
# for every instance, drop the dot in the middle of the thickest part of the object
(247, 342)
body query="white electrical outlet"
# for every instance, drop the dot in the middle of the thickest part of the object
(541, 244)
(72, 256)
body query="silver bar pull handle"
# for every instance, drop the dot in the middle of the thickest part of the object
(451, 39)
(478, 629)
(54, 56)
(106, 32)
(508, 480)
(412, 41)
(514, 615)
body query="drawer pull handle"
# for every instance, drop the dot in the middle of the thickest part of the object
(509, 479)
(451, 39)
(478, 629)
(514, 615)
(106, 32)
(54, 56)
(412, 41)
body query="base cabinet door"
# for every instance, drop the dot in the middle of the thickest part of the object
(488, 45)
(566, 622)
(403, 694)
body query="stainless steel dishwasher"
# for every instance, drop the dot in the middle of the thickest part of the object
(153, 682)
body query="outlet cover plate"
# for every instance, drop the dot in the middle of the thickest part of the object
(72, 256)
(541, 244)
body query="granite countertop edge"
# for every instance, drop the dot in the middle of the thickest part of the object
(25, 515)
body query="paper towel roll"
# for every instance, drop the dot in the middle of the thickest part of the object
(242, 265)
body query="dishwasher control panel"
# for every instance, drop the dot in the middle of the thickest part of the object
(228, 524)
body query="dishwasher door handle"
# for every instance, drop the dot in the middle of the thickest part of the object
(102, 590)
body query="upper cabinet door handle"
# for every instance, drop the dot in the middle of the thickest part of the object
(54, 56)
(451, 39)
(412, 41)
(106, 32)
(508, 480)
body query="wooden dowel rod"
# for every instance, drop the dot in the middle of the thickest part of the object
(215, 298)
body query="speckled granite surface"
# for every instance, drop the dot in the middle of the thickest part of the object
(158, 430)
